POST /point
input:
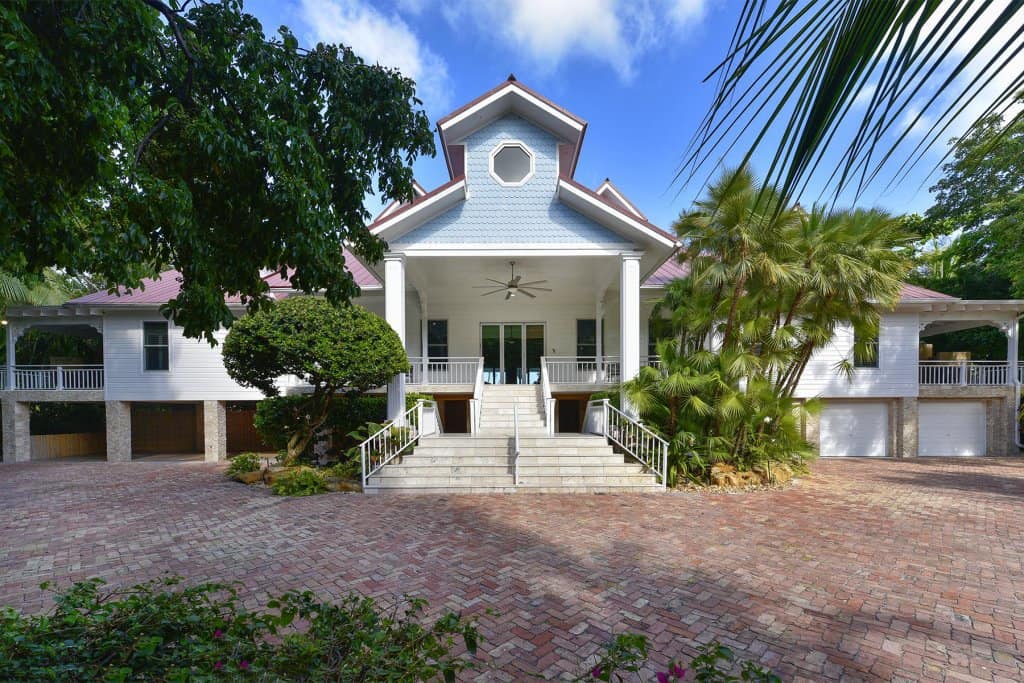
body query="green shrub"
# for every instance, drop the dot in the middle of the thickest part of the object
(628, 653)
(243, 463)
(304, 481)
(159, 631)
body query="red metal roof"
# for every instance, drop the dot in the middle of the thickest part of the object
(915, 292)
(163, 288)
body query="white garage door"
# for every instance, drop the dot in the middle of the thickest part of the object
(951, 428)
(852, 429)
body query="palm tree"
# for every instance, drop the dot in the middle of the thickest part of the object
(768, 285)
(12, 291)
(796, 70)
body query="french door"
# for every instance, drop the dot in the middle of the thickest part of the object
(512, 352)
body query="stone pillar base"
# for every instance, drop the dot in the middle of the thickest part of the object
(119, 431)
(215, 431)
(906, 427)
(17, 445)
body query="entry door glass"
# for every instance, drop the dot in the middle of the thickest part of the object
(490, 349)
(513, 345)
(534, 350)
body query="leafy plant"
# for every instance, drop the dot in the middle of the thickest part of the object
(162, 631)
(303, 481)
(128, 129)
(244, 463)
(628, 654)
(767, 287)
(338, 351)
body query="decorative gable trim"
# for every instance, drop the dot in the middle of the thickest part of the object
(579, 197)
(609, 191)
(422, 209)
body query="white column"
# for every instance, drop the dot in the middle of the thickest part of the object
(1012, 343)
(424, 349)
(629, 319)
(394, 313)
(599, 328)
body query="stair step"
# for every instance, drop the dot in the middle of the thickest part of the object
(437, 490)
(445, 481)
(418, 470)
(554, 480)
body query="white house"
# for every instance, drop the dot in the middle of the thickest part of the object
(518, 292)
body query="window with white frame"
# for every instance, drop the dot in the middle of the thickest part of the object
(437, 338)
(155, 346)
(512, 163)
(865, 351)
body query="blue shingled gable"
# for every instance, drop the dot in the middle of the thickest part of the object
(496, 214)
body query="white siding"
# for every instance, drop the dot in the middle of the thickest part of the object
(896, 374)
(196, 369)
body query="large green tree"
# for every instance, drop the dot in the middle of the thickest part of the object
(336, 350)
(980, 201)
(137, 135)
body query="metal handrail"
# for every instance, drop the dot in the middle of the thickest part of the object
(549, 401)
(515, 443)
(391, 440)
(632, 437)
(478, 392)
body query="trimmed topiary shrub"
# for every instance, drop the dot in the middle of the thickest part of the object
(337, 350)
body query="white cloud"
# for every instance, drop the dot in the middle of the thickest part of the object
(863, 97)
(381, 38)
(615, 32)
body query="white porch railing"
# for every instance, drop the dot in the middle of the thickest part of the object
(55, 377)
(630, 435)
(583, 370)
(964, 372)
(442, 370)
(549, 401)
(650, 361)
(396, 437)
(478, 393)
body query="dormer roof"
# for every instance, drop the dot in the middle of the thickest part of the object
(510, 97)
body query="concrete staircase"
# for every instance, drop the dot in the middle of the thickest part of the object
(483, 463)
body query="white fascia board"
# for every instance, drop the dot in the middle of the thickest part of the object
(485, 250)
(496, 98)
(418, 214)
(606, 186)
(609, 217)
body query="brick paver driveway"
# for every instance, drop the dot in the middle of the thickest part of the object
(866, 570)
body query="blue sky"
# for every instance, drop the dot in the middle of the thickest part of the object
(632, 68)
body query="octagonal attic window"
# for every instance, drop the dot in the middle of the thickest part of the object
(512, 163)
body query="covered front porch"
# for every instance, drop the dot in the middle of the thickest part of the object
(467, 321)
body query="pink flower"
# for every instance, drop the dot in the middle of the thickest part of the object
(596, 672)
(676, 671)
(662, 677)
(218, 634)
(243, 665)
(217, 666)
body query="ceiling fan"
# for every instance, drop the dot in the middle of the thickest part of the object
(513, 286)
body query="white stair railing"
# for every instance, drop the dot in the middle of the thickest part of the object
(395, 437)
(478, 393)
(549, 401)
(515, 443)
(630, 435)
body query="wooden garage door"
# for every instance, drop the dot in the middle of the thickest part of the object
(167, 428)
(854, 429)
(951, 428)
